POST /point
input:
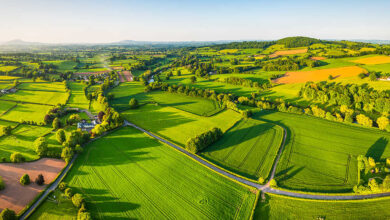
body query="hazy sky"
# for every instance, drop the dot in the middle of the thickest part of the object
(183, 20)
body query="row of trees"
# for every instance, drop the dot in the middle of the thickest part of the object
(288, 64)
(200, 142)
(246, 82)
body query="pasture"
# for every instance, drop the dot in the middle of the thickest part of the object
(27, 112)
(77, 98)
(319, 75)
(52, 86)
(320, 155)
(177, 125)
(21, 140)
(128, 179)
(282, 207)
(7, 68)
(35, 96)
(6, 106)
(195, 105)
(373, 60)
(249, 148)
(56, 207)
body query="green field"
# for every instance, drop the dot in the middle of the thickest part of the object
(77, 98)
(55, 208)
(27, 112)
(21, 140)
(41, 97)
(195, 105)
(176, 125)
(52, 86)
(320, 155)
(281, 207)
(249, 148)
(129, 175)
(5, 106)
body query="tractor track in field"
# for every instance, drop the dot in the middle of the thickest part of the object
(264, 188)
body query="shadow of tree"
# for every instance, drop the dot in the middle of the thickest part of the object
(377, 149)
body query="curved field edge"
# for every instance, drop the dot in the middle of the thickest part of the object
(308, 163)
(125, 175)
(249, 148)
(284, 207)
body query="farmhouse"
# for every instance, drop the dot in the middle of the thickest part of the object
(6, 91)
(85, 126)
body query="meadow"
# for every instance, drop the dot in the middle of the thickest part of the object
(56, 207)
(52, 86)
(21, 140)
(320, 155)
(77, 98)
(195, 105)
(27, 112)
(177, 125)
(36, 96)
(6, 106)
(128, 179)
(282, 207)
(249, 148)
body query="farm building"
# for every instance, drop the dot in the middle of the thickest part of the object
(85, 126)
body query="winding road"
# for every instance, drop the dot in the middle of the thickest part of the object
(264, 188)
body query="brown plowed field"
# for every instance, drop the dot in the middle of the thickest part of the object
(15, 196)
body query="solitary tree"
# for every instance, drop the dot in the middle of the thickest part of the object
(56, 123)
(40, 145)
(6, 130)
(8, 214)
(193, 79)
(77, 200)
(133, 103)
(16, 157)
(61, 137)
(40, 180)
(25, 179)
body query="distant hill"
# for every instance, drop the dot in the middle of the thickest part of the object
(298, 41)
(18, 42)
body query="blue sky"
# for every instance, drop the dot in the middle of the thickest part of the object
(183, 20)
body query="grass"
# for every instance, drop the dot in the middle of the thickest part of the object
(21, 140)
(52, 86)
(77, 98)
(41, 97)
(55, 208)
(176, 125)
(282, 207)
(5, 106)
(145, 179)
(7, 68)
(249, 148)
(213, 85)
(27, 112)
(8, 77)
(195, 105)
(320, 155)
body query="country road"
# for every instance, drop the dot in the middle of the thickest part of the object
(265, 188)
(50, 189)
